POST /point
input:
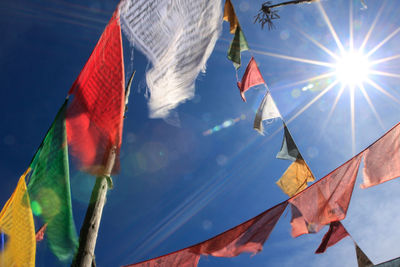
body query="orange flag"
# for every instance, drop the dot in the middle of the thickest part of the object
(184, 258)
(230, 16)
(251, 77)
(94, 118)
(335, 233)
(382, 159)
(325, 201)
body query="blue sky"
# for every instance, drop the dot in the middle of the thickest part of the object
(177, 186)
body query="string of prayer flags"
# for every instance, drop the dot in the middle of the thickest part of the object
(230, 16)
(184, 257)
(49, 189)
(95, 116)
(363, 260)
(325, 201)
(266, 111)
(40, 233)
(251, 77)
(335, 233)
(237, 46)
(295, 178)
(16, 222)
(289, 149)
(177, 37)
(382, 159)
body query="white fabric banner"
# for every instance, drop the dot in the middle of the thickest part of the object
(266, 111)
(178, 37)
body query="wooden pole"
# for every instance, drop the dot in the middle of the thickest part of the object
(90, 228)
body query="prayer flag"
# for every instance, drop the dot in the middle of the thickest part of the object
(40, 233)
(230, 16)
(289, 149)
(246, 237)
(382, 159)
(238, 45)
(325, 201)
(364, 261)
(177, 37)
(49, 189)
(335, 233)
(295, 178)
(266, 111)
(16, 221)
(184, 258)
(391, 263)
(95, 116)
(251, 77)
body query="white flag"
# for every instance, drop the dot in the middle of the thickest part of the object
(266, 111)
(178, 37)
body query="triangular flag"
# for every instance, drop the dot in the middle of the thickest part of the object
(266, 111)
(382, 159)
(363, 260)
(251, 77)
(94, 118)
(184, 258)
(230, 16)
(237, 45)
(295, 178)
(335, 233)
(325, 201)
(40, 233)
(49, 189)
(289, 149)
(16, 221)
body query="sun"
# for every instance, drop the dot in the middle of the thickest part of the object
(352, 69)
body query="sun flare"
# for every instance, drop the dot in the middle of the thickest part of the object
(352, 69)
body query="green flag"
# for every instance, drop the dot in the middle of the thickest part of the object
(49, 189)
(238, 45)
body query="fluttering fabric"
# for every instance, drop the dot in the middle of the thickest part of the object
(382, 159)
(40, 233)
(16, 221)
(237, 46)
(178, 38)
(266, 111)
(246, 237)
(95, 116)
(184, 258)
(251, 77)
(295, 178)
(325, 201)
(49, 189)
(335, 233)
(230, 16)
(364, 261)
(289, 149)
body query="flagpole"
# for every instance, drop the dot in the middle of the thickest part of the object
(90, 228)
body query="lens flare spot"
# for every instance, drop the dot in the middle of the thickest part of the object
(36, 208)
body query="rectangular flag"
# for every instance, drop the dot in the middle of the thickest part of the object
(236, 47)
(16, 222)
(49, 189)
(335, 233)
(295, 178)
(326, 200)
(95, 116)
(230, 16)
(266, 111)
(177, 37)
(184, 258)
(382, 159)
(251, 77)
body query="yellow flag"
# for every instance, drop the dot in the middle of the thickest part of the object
(230, 16)
(16, 222)
(295, 178)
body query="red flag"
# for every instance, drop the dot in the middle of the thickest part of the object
(251, 77)
(94, 118)
(184, 258)
(325, 201)
(40, 233)
(382, 159)
(335, 233)
(246, 237)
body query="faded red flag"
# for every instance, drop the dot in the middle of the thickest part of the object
(40, 233)
(246, 237)
(382, 159)
(184, 258)
(335, 233)
(94, 118)
(325, 201)
(251, 77)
